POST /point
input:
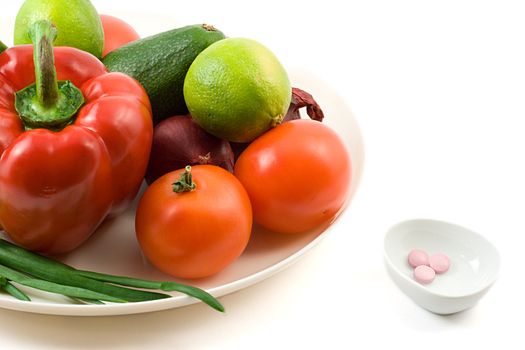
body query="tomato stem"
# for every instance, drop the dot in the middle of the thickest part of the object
(185, 183)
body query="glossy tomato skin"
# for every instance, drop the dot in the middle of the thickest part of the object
(297, 176)
(117, 33)
(194, 234)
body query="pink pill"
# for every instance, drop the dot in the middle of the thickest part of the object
(440, 263)
(417, 257)
(424, 274)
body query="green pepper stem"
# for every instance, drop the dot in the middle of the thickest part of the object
(48, 103)
(43, 35)
(185, 183)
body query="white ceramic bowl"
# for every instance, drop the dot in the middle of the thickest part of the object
(474, 266)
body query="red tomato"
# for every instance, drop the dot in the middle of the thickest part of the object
(297, 176)
(197, 233)
(117, 33)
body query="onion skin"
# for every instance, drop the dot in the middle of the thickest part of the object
(300, 99)
(178, 142)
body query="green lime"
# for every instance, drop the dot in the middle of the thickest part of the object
(77, 22)
(236, 89)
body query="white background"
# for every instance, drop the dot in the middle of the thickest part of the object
(438, 89)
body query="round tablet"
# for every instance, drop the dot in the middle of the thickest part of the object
(417, 257)
(440, 263)
(424, 274)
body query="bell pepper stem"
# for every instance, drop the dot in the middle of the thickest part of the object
(48, 103)
(43, 35)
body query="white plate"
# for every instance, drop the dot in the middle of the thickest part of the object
(113, 248)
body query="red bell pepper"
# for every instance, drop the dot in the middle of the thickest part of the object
(69, 156)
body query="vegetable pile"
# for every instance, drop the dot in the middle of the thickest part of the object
(211, 123)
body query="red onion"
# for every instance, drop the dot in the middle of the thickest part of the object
(178, 141)
(302, 99)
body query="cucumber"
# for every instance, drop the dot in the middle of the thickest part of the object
(160, 63)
